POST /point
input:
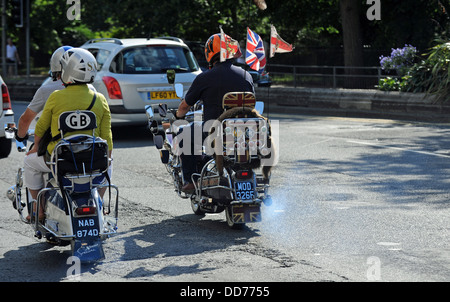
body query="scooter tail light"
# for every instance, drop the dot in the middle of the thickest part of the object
(113, 88)
(244, 174)
(86, 210)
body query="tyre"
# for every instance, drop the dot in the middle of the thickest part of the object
(195, 207)
(230, 222)
(5, 147)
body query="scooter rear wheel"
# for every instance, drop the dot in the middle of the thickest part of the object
(230, 222)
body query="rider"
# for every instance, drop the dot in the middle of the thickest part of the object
(40, 97)
(78, 69)
(210, 87)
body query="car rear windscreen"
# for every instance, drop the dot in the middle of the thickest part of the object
(153, 59)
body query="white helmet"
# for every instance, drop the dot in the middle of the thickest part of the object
(78, 66)
(55, 61)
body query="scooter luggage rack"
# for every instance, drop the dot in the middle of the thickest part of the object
(112, 228)
(249, 154)
(261, 184)
(78, 174)
(200, 178)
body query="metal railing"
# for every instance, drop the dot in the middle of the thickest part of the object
(325, 76)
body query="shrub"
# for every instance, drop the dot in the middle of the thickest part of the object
(431, 75)
(400, 60)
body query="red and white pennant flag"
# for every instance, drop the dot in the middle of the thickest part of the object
(278, 45)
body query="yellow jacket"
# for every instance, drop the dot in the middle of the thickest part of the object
(75, 97)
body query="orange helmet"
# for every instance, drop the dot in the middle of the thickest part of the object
(212, 48)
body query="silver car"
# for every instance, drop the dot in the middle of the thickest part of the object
(132, 74)
(6, 120)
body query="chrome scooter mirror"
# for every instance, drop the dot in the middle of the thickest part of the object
(9, 133)
(179, 90)
(259, 106)
(149, 112)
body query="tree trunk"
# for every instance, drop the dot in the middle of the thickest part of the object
(353, 48)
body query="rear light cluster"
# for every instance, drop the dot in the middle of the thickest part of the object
(113, 88)
(86, 210)
(6, 100)
(244, 174)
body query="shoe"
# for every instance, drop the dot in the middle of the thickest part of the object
(188, 187)
(41, 218)
(41, 214)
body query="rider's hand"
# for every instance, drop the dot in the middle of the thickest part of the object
(177, 117)
(33, 150)
(18, 138)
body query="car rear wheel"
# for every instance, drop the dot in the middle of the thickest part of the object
(5, 147)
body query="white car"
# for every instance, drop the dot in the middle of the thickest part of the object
(132, 74)
(6, 119)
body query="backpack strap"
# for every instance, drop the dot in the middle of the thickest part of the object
(93, 101)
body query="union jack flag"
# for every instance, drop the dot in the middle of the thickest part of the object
(255, 56)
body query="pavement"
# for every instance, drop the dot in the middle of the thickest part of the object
(368, 103)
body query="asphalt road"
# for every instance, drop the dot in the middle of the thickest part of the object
(354, 200)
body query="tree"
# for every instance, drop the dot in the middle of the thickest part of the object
(317, 28)
(351, 34)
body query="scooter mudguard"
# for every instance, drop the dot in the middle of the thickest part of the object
(88, 251)
(88, 244)
(243, 213)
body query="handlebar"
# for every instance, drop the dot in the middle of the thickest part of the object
(11, 132)
(173, 111)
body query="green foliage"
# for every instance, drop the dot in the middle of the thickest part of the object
(389, 84)
(394, 83)
(430, 75)
(308, 24)
(433, 73)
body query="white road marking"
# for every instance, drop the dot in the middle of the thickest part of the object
(397, 148)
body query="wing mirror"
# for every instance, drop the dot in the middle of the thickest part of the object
(170, 76)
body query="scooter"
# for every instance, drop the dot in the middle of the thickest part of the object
(232, 177)
(75, 213)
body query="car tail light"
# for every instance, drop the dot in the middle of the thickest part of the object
(113, 88)
(86, 210)
(5, 98)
